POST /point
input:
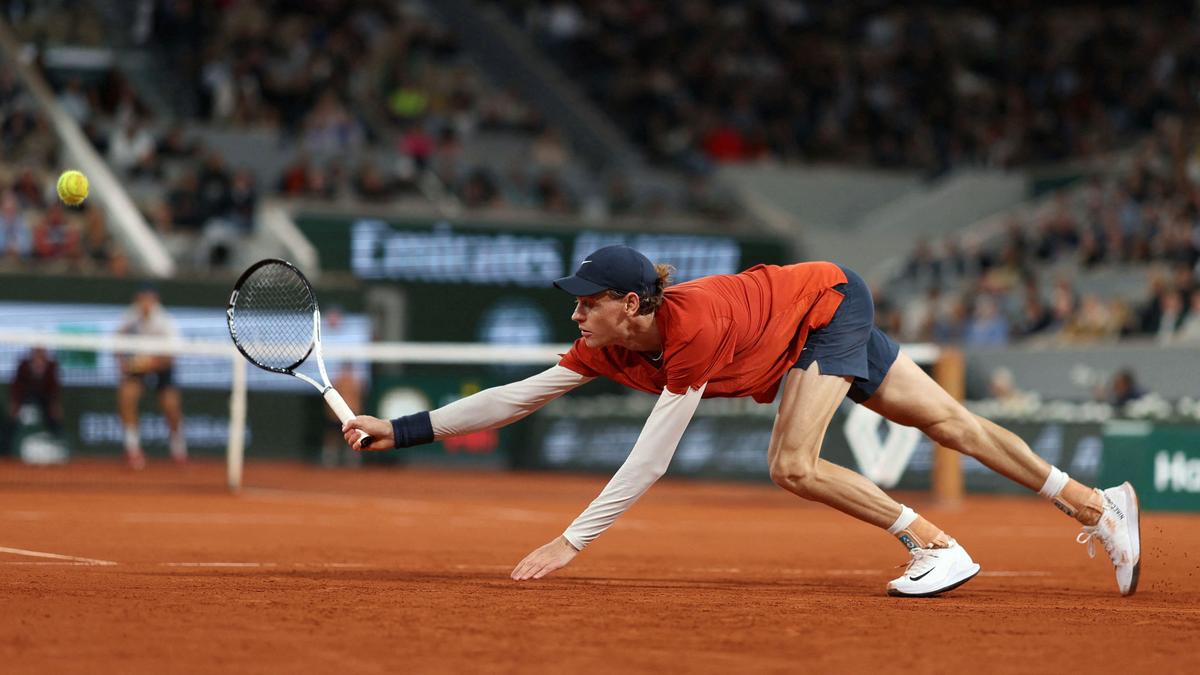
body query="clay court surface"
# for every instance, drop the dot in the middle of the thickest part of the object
(383, 571)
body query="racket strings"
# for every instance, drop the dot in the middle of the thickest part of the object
(273, 317)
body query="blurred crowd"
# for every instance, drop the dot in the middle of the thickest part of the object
(36, 230)
(1142, 220)
(379, 97)
(925, 85)
(373, 102)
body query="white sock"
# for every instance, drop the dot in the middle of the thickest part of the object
(178, 445)
(906, 517)
(1052, 490)
(132, 441)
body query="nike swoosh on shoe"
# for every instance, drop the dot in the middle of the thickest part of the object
(923, 575)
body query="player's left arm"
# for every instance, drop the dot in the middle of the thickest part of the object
(487, 409)
(647, 462)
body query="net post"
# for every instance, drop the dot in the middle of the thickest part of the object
(949, 370)
(237, 424)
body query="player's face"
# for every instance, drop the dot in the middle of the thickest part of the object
(146, 300)
(600, 318)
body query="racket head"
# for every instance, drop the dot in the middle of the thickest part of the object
(270, 315)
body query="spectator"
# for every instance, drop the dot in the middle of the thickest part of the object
(1189, 329)
(371, 184)
(1002, 387)
(549, 152)
(183, 199)
(16, 239)
(147, 317)
(131, 148)
(296, 178)
(1171, 317)
(28, 188)
(417, 144)
(54, 238)
(1092, 322)
(215, 187)
(1124, 389)
(1035, 316)
(36, 384)
(988, 328)
(951, 323)
(243, 199)
(480, 190)
(176, 145)
(330, 129)
(96, 245)
(75, 101)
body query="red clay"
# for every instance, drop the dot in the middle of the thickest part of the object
(406, 571)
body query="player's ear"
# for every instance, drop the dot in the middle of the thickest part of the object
(632, 303)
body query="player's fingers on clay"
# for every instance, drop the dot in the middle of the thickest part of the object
(544, 568)
(531, 568)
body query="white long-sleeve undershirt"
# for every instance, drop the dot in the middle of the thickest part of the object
(503, 405)
(646, 463)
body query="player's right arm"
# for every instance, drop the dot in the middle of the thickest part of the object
(488, 409)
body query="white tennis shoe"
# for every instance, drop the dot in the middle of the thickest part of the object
(1119, 531)
(933, 571)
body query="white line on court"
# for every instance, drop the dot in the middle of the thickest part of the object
(788, 571)
(329, 565)
(26, 515)
(219, 564)
(989, 573)
(63, 563)
(55, 556)
(1016, 573)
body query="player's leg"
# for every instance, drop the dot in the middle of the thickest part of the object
(129, 392)
(171, 402)
(836, 361)
(808, 404)
(909, 396)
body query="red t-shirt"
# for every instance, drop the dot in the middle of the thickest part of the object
(740, 333)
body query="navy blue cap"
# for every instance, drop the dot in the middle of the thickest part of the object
(619, 268)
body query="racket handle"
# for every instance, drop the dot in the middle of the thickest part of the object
(364, 440)
(338, 404)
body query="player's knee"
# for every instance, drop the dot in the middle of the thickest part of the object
(963, 433)
(794, 475)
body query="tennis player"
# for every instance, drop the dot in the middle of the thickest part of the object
(807, 328)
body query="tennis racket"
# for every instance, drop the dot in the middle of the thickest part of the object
(275, 323)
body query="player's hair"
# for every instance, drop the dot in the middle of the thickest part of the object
(649, 303)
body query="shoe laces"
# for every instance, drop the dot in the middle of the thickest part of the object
(923, 559)
(1089, 535)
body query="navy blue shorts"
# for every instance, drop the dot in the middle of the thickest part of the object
(158, 380)
(850, 345)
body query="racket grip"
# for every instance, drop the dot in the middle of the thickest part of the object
(338, 404)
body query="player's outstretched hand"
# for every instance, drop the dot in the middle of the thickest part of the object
(545, 560)
(380, 430)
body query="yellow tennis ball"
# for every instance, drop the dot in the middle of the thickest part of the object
(72, 187)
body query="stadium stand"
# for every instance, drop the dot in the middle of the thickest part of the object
(926, 86)
(1111, 257)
